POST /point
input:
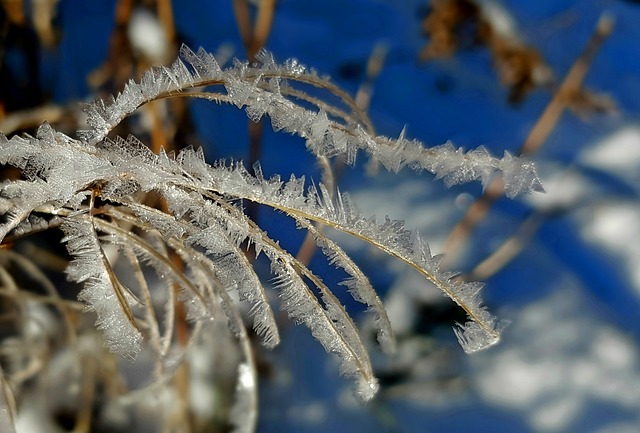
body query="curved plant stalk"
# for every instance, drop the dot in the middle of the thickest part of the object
(195, 302)
(308, 246)
(330, 325)
(358, 284)
(481, 331)
(250, 289)
(95, 186)
(160, 345)
(330, 173)
(259, 89)
(244, 413)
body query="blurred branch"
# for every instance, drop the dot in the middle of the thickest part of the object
(254, 35)
(561, 100)
(507, 251)
(33, 117)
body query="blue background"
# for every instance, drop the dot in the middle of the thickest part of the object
(586, 288)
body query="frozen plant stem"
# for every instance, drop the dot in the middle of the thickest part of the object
(94, 187)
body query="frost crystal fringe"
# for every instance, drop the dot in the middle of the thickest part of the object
(206, 226)
(100, 292)
(263, 89)
(123, 166)
(390, 236)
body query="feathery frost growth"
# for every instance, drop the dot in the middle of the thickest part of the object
(94, 188)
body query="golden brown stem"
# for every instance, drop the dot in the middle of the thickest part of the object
(536, 138)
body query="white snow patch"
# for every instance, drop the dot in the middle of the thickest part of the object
(313, 413)
(613, 225)
(147, 36)
(409, 290)
(619, 153)
(501, 20)
(557, 361)
(562, 188)
(416, 203)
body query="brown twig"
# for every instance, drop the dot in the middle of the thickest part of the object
(254, 35)
(243, 20)
(537, 136)
(262, 27)
(165, 14)
(511, 247)
(112, 69)
(87, 393)
(32, 117)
